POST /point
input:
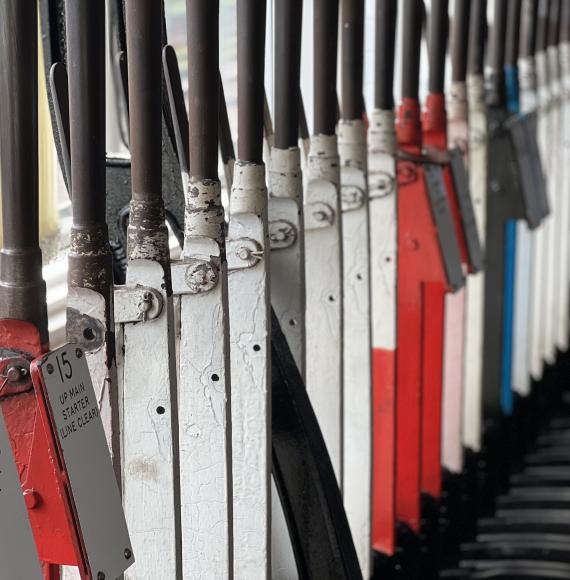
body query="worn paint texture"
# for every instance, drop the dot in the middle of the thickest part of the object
(383, 265)
(249, 348)
(323, 267)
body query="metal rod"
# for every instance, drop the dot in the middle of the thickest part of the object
(496, 61)
(554, 23)
(477, 33)
(529, 17)
(85, 29)
(412, 19)
(203, 80)
(542, 26)
(352, 47)
(22, 292)
(226, 142)
(288, 13)
(385, 51)
(251, 70)
(325, 48)
(144, 53)
(460, 40)
(565, 23)
(513, 27)
(438, 33)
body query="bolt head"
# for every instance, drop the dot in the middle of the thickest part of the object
(49, 368)
(128, 554)
(32, 498)
(100, 575)
(14, 374)
(78, 353)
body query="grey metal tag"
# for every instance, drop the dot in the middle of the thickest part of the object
(461, 181)
(76, 421)
(532, 183)
(18, 555)
(444, 224)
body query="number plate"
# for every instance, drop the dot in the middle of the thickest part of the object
(461, 181)
(75, 420)
(444, 224)
(18, 555)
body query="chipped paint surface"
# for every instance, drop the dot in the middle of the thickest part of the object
(357, 387)
(475, 284)
(323, 271)
(102, 370)
(250, 401)
(285, 183)
(204, 425)
(148, 433)
(287, 264)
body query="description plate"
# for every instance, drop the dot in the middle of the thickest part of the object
(18, 555)
(461, 181)
(76, 421)
(444, 223)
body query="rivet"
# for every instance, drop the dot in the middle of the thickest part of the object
(100, 575)
(128, 554)
(78, 353)
(49, 368)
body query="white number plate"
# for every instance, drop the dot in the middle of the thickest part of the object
(77, 424)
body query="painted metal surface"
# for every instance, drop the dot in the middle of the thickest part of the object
(248, 264)
(422, 281)
(357, 387)
(323, 271)
(512, 91)
(88, 307)
(474, 307)
(286, 239)
(383, 269)
(455, 304)
(542, 238)
(552, 256)
(556, 254)
(17, 548)
(54, 536)
(72, 416)
(563, 316)
(524, 264)
(199, 284)
(304, 475)
(287, 264)
(149, 430)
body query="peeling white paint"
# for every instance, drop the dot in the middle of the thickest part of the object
(204, 421)
(250, 357)
(323, 268)
(285, 183)
(150, 467)
(357, 377)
